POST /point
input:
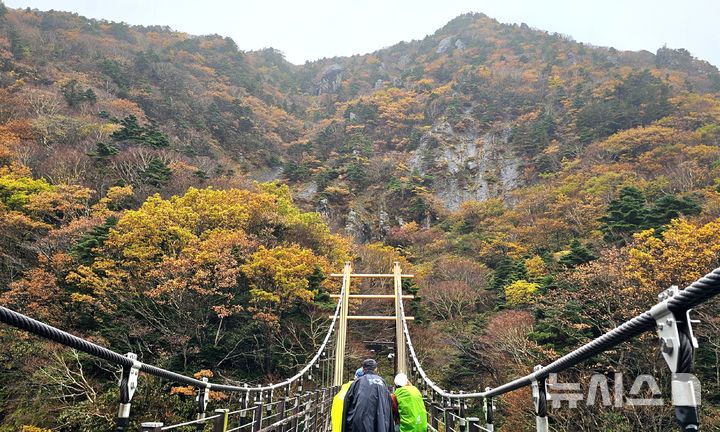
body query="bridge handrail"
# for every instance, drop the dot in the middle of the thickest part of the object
(695, 294)
(23, 322)
(430, 383)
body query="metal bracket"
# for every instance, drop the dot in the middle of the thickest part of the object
(489, 409)
(668, 329)
(203, 397)
(673, 333)
(539, 394)
(128, 380)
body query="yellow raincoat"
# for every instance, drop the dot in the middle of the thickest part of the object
(336, 414)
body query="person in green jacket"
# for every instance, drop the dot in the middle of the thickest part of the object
(336, 412)
(410, 406)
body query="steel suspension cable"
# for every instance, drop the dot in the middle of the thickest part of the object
(693, 295)
(23, 322)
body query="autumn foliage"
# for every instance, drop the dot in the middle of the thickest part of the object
(541, 189)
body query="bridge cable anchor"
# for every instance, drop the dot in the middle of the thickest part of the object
(202, 399)
(489, 408)
(539, 394)
(678, 345)
(128, 384)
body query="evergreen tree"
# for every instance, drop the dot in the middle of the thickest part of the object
(104, 151)
(148, 135)
(670, 207)
(154, 138)
(643, 98)
(315, 285)
(118, 74)
(579, 254)
(84, 250)
(157, 173)
(639, 99)
(357, 173)
(626, 214)
(130, 130)
(531, 138)
(16, 46)
(90, 96)
(507, 272)
(629, 213)
(75, 96)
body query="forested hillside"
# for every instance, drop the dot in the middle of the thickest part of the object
(171, 195)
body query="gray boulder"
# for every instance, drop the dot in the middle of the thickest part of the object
(330, 79)
(444, 45)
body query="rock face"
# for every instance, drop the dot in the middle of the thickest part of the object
(383, 223)
(267, 174)
(306, 191)
(323, 207)
(356, 228)
(467, 165)
(330, 79)
(571, 60)
(444, 45)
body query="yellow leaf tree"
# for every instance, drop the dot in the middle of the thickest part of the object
(520, 292)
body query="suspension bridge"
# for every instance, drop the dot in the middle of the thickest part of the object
(302, 402)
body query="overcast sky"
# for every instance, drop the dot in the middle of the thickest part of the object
(312, 29)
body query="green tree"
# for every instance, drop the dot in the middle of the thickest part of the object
(629, 213)
(507, 272)
(90, 96)
(149, 135)
(669, 207)
(118, 73)
(104, 150)
(530, 138)
(357, 173)
(17, 48)
(579, 254)
(130, 129)
(157, 173)
(639, 99)
(626, 214)
(75, 96)
(153, 137)
(85, 249)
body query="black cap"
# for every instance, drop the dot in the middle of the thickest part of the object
(369, 364)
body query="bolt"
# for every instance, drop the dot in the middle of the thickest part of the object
(667, 346)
